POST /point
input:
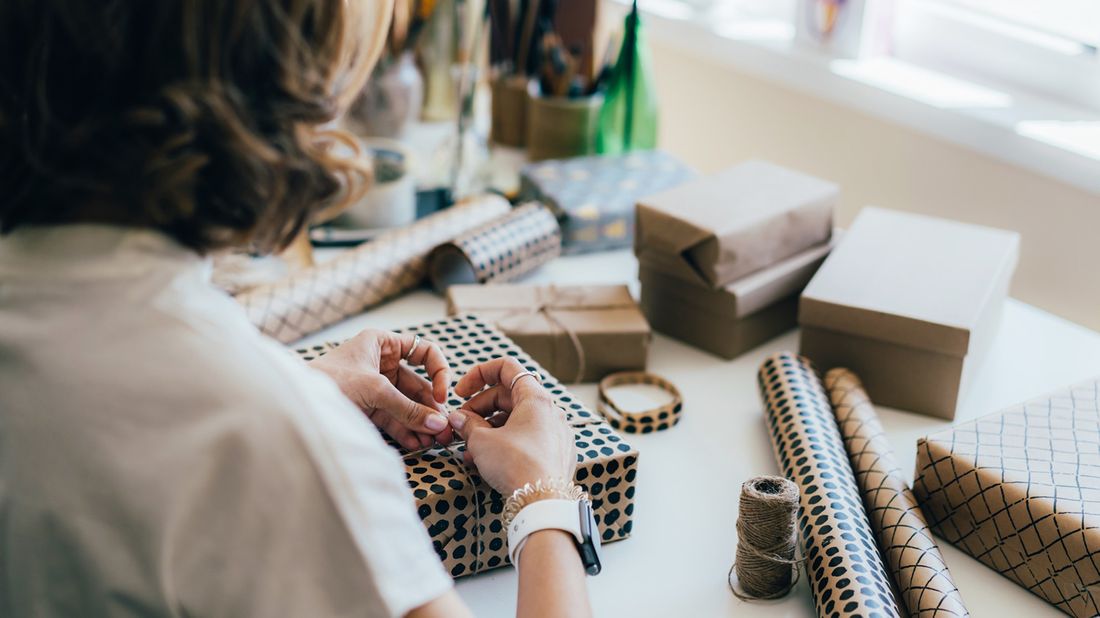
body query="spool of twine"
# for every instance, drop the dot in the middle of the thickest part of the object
(766, 539)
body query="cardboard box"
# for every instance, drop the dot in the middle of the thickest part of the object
(462, 513)
(734, 319)
(717, 229)
(594, 196)
(911, 304)
(558, 325)
(1020, 491)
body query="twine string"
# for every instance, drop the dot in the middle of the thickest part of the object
(765, 565)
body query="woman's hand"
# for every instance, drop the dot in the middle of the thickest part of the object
(529, 440)
(368, 369)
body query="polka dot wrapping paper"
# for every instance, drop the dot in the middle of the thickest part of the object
(912, 557)
(1019, 490)
(311, 299)
(499, 250)
(845, 570)
(463, 515)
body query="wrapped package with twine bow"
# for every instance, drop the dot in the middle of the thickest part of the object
(579, 333)
(462, 513)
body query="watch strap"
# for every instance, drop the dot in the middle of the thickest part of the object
(553, 514)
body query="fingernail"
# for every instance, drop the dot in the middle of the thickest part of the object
(436, 422)
(458, 420)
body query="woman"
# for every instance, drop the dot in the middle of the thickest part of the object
(157, 455)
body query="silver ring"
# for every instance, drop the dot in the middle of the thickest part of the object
(524, 374)
(415, 345)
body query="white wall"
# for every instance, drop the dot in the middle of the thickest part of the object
(712, 116)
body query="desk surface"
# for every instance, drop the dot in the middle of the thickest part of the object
(683, 541)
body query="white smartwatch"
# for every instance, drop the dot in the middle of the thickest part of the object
(572, 516)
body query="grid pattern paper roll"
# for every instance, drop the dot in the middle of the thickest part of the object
(924, 584)
(845, 570)
(316, 297)
(499, 250)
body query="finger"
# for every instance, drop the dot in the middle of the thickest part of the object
(490, 400)
(465, 423)
(416, 388)
(428, 355)
(396, 430)
(415, 416)
(497, 371)
(498, 419)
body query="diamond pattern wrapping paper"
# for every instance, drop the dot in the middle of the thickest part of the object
(462, 513)
(499, 250)
(316, 297)
(912, 557)
(1020, 491)
(843, 564)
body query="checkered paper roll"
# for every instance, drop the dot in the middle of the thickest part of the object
(313, 298)
(499, 250)
(845, 570)
(913, 558)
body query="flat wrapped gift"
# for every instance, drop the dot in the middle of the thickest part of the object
(911, 304)
(1020, 491)
(580, 333)
(734, 319)
(461, 512)
(594, 196)
(719, 228)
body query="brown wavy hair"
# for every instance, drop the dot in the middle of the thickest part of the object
(205, 119)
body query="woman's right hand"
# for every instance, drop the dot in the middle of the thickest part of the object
(529, 442)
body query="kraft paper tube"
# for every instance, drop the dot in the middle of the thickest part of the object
(924, 584)
(313, 298)
(499, 250)
(843, 564)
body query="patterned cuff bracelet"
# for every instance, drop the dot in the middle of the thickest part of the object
(646, 421)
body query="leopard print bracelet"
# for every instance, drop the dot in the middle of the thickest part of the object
(646, 421)
(542, 489)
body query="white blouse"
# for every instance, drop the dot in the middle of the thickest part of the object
(159, 457)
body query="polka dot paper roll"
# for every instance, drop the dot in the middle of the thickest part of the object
(311, 299)
(499, 250)
(845, 570)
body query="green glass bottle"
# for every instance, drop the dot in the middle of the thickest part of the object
(628, 118)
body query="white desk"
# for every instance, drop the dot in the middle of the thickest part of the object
(683, 539)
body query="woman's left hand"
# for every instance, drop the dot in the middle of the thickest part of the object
(368, 369)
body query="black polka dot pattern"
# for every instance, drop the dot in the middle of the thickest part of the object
(463, 515)
(504, 248)
(646, 421)
(842, 561)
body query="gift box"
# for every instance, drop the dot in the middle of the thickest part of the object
(717, 229)
(1020, 491)
(462, 513)
(736, 318)
(579, 333)
(594, 196)
(911, 304)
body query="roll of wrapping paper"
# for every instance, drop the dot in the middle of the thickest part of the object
(311, 299)
(845, 570)
(499, 250)
(924, 584)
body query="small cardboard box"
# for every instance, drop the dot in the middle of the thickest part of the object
(1020, 491)
(594, 196)
(462, 513)
(734, 319)
(911, 304)
(717, 229)
(561, 325)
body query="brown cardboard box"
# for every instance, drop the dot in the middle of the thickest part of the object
(1020, 491)
(610, 331)
(717, 229)
(462, 513)
(911, 304)
(734, 319)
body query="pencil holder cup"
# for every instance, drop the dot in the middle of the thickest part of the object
(510, 110)
(559, 127)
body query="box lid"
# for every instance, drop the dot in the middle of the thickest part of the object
(745, 296)
(909, 279)
(717, 228)
(521, 309)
